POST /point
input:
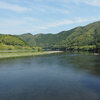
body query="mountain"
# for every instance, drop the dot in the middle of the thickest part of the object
(10, 42)
(44, 40)
(82, 37)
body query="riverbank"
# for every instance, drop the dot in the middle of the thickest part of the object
(24, 54)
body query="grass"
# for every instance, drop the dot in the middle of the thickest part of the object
(10, 54)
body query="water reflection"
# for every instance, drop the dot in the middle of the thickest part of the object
(83, 61)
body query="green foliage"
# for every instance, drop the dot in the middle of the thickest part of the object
(43, 40)
(10, 42)
(5, 47)
(79, 38)
(37, 49)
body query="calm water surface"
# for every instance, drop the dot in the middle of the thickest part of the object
(63, 76)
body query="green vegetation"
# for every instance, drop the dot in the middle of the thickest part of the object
(13, 46)
(79, 38)
(44, 40)
(10, 42)
(10, 54)
(85, 38)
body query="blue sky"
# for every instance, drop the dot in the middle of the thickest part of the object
(46, 16)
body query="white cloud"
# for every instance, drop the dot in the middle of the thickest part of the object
(55, 9)
(12, 7)
(50, 9)
(8, 22)
(24, 25)
(30, 19)
(89, 2)
(58, 23)
(93, 2)
(11, 23)
(66, 22)
(52, 25)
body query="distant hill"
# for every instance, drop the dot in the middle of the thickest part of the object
(44, 40)
(10, 42)
(83, 37)
(80, 38)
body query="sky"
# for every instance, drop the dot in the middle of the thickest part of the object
(46, 16)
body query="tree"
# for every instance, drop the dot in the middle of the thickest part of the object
(95, 37)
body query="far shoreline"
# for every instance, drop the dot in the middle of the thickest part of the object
(5, 55)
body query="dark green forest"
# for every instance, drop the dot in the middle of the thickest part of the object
(86, 38)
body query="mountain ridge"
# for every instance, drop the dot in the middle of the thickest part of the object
(78, 36)
(81, 37)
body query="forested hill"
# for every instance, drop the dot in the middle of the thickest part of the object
(10, 42)
(83, 37)
(80, 38)
(45, 40)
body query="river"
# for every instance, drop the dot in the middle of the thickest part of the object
(61, 76)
